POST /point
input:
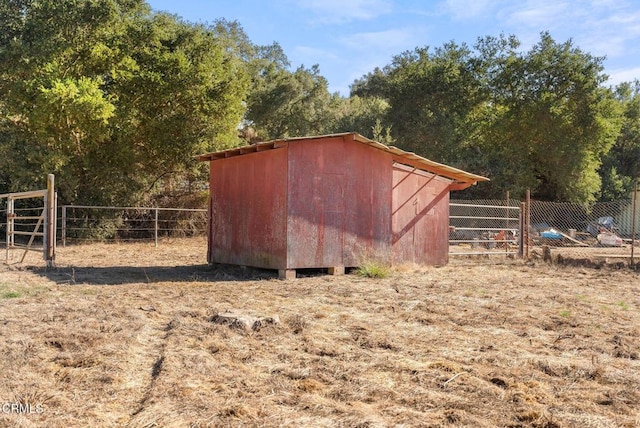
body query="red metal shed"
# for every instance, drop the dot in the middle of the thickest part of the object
(329, 201)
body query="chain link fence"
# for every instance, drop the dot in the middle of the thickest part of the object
(561, 231)
(599, 231)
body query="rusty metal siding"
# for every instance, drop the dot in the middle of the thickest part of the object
(322, 203)
(316, 204)
(248, 210)
(339, 203)
(420, 216)
(367, 204)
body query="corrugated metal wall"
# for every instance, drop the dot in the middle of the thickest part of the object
(248, 203)
(420, 217)
(323, 203)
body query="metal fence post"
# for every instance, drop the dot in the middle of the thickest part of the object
(527, 222)
(523, 209)
(156, 227)
(64, 226)
(506, 246)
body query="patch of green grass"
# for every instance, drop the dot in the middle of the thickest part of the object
(373, 269)
(8, 291)
(623, 305)
(565, 314)
(9, 295)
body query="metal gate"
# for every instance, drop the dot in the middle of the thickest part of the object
(491, 228)
(30, 224)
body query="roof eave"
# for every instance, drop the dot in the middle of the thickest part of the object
(459, 176)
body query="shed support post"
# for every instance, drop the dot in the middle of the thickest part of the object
(336, 270)
(287, 273)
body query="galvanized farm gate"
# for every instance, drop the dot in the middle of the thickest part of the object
(35, 223)
(485, 228)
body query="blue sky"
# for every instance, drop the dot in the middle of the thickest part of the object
(349, 38)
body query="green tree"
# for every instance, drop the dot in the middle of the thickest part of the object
(364, 115)
(111, 97)
(538, 120)
(621, 165)
(290, 104)
(551, 122)
(431, 96)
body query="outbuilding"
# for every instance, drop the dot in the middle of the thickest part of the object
(331, 201)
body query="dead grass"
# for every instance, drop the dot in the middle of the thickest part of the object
(121, 335)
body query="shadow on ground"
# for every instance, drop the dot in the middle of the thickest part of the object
(120, 275)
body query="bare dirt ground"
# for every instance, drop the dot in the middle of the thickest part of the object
(123, 336)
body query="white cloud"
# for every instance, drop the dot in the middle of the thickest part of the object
(389, 40)
(613, 35)
(341, 11)
(600, 27)
(541, 15)
(466, 9)
(623, 75)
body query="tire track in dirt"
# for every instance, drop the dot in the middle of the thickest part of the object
(155, 340)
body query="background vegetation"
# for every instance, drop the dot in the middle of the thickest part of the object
(115, 99)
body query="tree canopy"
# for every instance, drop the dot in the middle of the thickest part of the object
(110, 96)
(115, 99)
(538, 120)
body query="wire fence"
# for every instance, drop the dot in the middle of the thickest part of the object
(607, 230)
(484, 227)
(603, 231)
(122, 224)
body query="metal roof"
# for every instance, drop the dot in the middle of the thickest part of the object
(399, 155)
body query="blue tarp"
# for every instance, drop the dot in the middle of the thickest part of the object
(551, 234)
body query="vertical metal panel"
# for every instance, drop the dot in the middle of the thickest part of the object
(316, 203)
(420, 206)
(367, 204)
(248, 209)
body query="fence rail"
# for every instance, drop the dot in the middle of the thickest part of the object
(484, 227)
(100, 223)
(604, 230)
(34, 218)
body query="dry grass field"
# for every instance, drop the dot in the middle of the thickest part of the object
(124, 336)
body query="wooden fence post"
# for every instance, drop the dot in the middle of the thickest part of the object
(9, 226)
(633, 219)
(50, 222)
